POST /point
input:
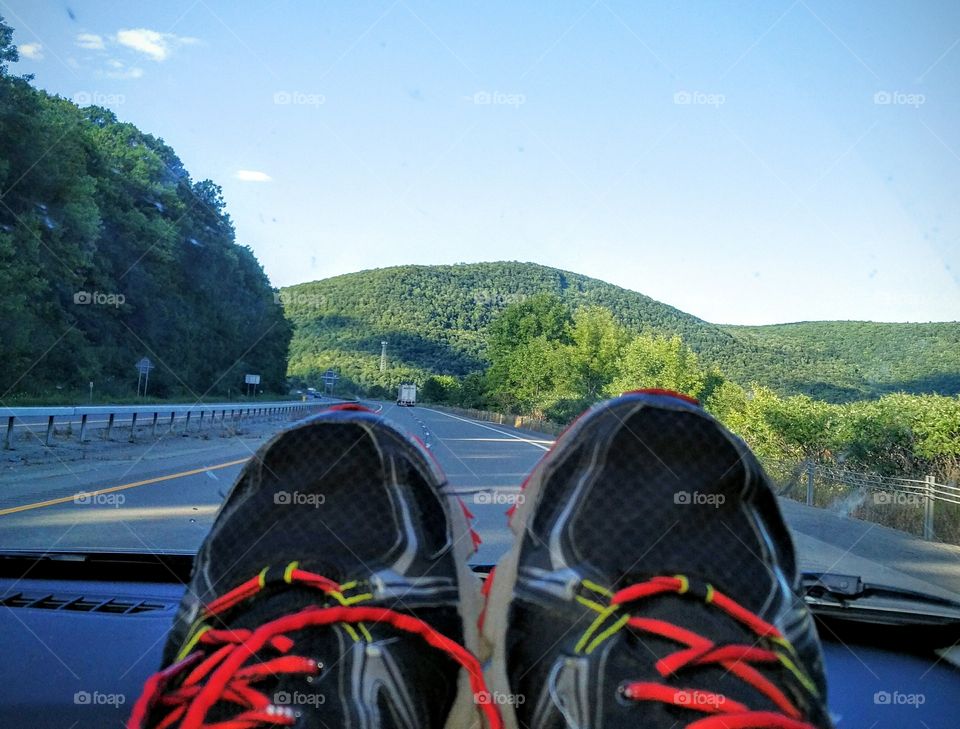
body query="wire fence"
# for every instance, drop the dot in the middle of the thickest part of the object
(921, 506)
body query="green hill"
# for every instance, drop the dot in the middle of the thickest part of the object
(434, 320)
(841, 360)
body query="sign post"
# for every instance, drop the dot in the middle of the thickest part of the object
(251, 381)
(143, 375)
(330, 378)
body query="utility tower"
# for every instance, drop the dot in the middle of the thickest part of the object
(383, 356)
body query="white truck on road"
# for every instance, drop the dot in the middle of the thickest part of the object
(407, 396)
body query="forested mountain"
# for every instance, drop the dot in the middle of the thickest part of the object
(840, 360)
(110, 252)
(434, 319)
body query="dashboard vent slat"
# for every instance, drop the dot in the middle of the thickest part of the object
(82, 603)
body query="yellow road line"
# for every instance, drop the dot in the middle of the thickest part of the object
(169, 477)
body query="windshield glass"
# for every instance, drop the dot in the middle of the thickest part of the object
(218, 218)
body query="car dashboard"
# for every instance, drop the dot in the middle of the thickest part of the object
(82, 634)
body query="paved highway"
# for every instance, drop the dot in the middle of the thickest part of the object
(146, 498)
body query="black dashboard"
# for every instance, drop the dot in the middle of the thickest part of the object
(81, 635)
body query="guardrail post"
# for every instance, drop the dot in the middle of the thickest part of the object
(173, 417)
(109, 426)
(810, 473)
(133, 428)
(930, 482)
(200, 424)
(49, 430)
(8, 440)
(186, 424)
(83, 428)
(155, 418)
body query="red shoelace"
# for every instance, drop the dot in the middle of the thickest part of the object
(700, 651)
(222, 674)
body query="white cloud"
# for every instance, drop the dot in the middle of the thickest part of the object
(153, 44)
(252, 176)
(33, 51)
(118, 69)
(121, 71)
(90, 41)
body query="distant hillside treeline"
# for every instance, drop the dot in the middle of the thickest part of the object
(110, 252)
(435, 321)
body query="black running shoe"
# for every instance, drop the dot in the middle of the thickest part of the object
(332, 591)
(653, 583)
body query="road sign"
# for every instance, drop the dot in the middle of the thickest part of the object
(330, 378)
(252, 379)
(144, 366)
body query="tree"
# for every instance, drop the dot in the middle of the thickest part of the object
(542, 315)
(598, 343)
(441, 389)
(523, 345)
(807, 428)
(658, 362)
(8, 50)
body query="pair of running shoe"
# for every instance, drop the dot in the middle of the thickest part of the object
(652, 582)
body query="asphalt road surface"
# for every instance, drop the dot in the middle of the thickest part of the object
(146, 498)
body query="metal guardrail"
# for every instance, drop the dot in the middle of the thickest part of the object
(237, 412)
(926, 492)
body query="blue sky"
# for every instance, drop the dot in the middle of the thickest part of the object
(751, 163)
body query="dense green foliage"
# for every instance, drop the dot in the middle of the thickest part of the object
(895, 435)
(580, 357)
(110, 252)
(436, 318)
(843, 360)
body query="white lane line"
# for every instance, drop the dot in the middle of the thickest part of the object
(534, 442)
